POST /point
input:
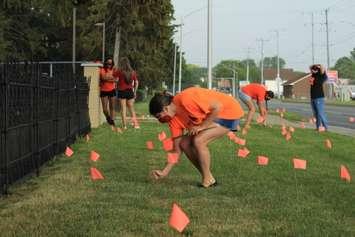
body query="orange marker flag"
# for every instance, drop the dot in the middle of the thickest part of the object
(178, 219)
(260, 119)
(299, 164)
(94, 156)
(288, 136)
(344, 173)
(173, 158)
(263, 160)
(351, 119)
(243, 152)
(168, 144)
(328, 144)
(240, 141)
(150, 145)
(291, 129)
(302, 125)
(95, 174)
(162, 136)
(69, 152)
(231, 135)
(87, 137)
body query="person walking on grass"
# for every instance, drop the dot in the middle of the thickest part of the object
(127, 90)
(258, 93)
(206, 115)
(108, 79)
(317, 79)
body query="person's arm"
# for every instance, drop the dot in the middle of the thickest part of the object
(158, 174)
(215, 107)
(136, 83)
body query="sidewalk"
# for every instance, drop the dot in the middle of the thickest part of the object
(274, 119)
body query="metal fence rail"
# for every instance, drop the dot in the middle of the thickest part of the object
(39, 116)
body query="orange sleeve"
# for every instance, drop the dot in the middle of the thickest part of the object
(197, 109)
(176, 129)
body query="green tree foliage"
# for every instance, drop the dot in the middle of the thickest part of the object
(346, 66)
(271, 62)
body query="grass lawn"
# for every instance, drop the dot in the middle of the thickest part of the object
(251, 200)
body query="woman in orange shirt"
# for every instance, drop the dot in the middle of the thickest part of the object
(127, 89)
(206, 114)
(108, 79)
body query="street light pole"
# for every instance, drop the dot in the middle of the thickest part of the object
(103, 38)
(180, 59)
(174, 76)
(209, 43)
(74, 39)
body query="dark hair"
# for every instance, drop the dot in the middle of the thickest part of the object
(270, 94)
(106, 62)
(127, 70)
(158, 101)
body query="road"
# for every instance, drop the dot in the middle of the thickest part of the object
(337, 115)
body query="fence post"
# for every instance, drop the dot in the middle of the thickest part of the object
(6, 80)
(35, 77)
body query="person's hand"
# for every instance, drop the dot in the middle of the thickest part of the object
(195, 130)
(158, 174)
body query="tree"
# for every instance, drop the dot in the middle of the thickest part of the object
(271, 62)
(346, 66)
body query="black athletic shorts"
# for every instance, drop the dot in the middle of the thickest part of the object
(108, 93)
(126, 94)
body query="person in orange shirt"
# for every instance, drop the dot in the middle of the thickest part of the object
(206, 114)
(258, 93)
(127, 91)
(108, 79)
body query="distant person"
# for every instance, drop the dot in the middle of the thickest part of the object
(258, 93)
(206, 115)
(316, 82)
(127, 91)
(108, 79)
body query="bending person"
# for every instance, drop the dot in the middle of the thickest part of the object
(258, 93)
(206, 114)
(127, 90)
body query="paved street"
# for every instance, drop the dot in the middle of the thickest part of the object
(337, 115)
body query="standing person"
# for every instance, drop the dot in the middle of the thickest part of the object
(108, 79)
(127, 89)
(316, 81)
(206, 114)
(258, 93)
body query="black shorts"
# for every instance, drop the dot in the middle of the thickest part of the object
(108, 93)
(126, 94)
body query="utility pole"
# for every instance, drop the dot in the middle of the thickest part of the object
(278, 78)
(180, 60)
(262, 60)
(248, 53)
(312, 14)
(209, 44)
(328, 57)
(174, 77)
(74, 39)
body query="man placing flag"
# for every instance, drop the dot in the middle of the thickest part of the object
(206, 115)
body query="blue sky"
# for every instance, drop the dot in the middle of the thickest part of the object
(237, 24)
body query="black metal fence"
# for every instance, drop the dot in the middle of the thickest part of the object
(39, 116)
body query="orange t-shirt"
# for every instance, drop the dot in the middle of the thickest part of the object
(255, 91)
(194, 104)
(104, 85)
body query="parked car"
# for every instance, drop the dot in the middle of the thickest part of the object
(352, 95)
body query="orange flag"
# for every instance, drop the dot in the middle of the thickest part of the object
(283, 130)
(302, 125)
(351, 119)
(263, 160)
(178, 219)
(94, 156)
(344, 173)
(87, 137)
(95, 174)
(291, 129)
(150, 145)
(288, 136)
(231, 135)
(260, 119)
(162, 136)
(328, 144)
(240, 141)
(173, 158)
(69, 152)
(299, 164)
(243, 152)
(168, 144)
